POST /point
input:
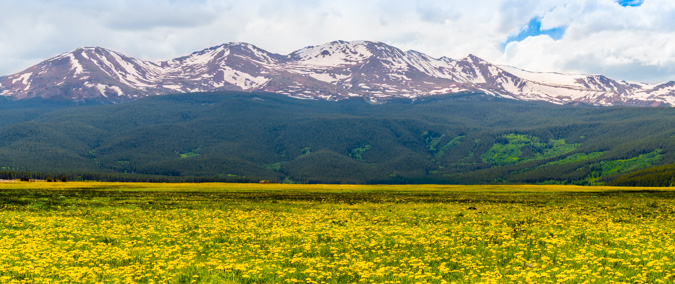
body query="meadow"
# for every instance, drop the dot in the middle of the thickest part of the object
(91, 232)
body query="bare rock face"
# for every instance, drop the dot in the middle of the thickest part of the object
(333, 71)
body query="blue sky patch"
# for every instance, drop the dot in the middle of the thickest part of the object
(534, 29)
(631, 3)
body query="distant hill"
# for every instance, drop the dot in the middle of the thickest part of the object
(464, 138)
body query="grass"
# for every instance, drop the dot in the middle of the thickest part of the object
(88, 232)
(640, 162)
(434, 142)
(608, 168)
(357, 153)
(512, 150)
(192, 153)
(578, 157)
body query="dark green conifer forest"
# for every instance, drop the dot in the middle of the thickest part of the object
(247, 137)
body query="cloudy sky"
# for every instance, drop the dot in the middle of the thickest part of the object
(625, 39)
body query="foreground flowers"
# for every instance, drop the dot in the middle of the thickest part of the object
(224, 233)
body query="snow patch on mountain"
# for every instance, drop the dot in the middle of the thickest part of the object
(243, 80)
(23, 78)
(75, 65)
(334, 54)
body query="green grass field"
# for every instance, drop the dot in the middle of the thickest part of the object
(88, 232)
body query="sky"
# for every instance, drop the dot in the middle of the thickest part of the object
(631, 40)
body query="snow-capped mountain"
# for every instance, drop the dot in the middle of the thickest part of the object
(333, 71)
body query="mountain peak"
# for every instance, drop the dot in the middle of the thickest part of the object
(92, 48)
(336, 53)
(475, 58)
(241, 45)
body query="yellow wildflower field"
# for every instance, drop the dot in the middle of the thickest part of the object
(90, 232)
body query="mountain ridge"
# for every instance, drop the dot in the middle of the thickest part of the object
(333, 71)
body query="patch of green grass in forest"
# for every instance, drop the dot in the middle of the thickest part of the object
(454, 142)
(276, 166)
(520, 148)
(434, 143)
(357, 153)
(640, 162)
(192, 153)
(578, 157)
(607, 168)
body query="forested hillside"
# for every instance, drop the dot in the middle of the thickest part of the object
(466, 138)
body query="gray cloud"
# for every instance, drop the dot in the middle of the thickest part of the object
(636, 70)
(436, 12)
(150, 18)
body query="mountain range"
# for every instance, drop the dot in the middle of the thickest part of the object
(334, 71)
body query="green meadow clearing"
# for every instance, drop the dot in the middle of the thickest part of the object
(91, 232)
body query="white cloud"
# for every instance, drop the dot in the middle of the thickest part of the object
(602, 37)
(633, 43)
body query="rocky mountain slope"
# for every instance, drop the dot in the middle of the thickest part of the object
(333, 71)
